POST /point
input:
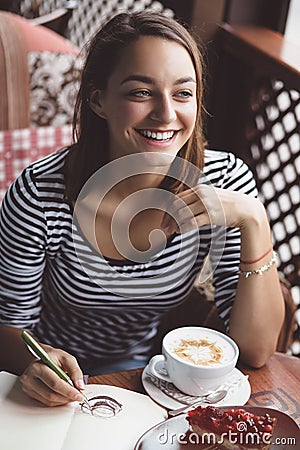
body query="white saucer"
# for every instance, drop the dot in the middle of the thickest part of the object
(237, 395)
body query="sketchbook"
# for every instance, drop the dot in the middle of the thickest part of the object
(28, 425)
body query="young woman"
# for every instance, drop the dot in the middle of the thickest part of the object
(99, 240)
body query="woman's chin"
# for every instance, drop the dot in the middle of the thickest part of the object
(157, 158)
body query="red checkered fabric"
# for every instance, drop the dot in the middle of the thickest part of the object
(18, 148)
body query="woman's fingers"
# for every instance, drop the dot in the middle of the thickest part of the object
(70, 365)
(204, 205)
(185, 209)
(37, 389)
(43, 384)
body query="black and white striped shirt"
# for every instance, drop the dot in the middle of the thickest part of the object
(102, 308)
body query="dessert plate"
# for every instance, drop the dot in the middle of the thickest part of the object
(238, 393)
(174, 434)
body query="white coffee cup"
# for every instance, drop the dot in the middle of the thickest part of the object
(196, 359)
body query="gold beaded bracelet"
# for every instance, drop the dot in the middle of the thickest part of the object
(260, 270)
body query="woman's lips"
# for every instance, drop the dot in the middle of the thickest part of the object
(158, 138)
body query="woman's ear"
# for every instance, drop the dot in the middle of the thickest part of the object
(95, 102)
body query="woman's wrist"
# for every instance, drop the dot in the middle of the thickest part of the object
(260, 258)
(256, 242)
(259, 270)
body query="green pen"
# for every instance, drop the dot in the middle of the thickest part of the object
(39, 352)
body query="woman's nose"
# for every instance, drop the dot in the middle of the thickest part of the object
(163, 110)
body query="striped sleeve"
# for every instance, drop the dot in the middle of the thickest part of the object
(22, 253)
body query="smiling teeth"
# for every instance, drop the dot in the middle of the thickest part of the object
(159, 136)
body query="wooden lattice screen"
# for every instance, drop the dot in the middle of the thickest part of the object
(263, 106)
(275, 148)
(274, 142)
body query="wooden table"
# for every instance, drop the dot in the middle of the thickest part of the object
(276, 385)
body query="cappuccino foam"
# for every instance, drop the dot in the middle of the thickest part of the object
(205, 349)
(199, 352)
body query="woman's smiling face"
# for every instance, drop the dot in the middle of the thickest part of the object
(150, 101)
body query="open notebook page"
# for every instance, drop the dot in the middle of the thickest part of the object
(26, 424)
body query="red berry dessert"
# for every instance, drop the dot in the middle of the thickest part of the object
(233, 429)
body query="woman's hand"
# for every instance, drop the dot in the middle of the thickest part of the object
(43, 384)
(207, 205)
(258, 310)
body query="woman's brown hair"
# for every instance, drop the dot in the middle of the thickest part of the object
(91, 148)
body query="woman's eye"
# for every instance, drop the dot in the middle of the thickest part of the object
(185, 94)
(140, 94)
